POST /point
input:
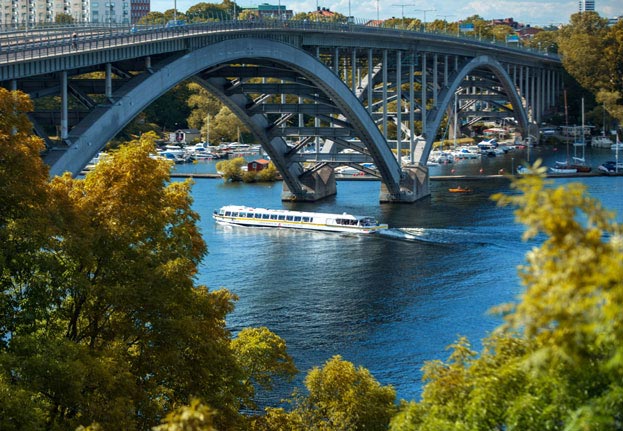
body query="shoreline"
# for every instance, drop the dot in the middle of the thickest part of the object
(432, 178)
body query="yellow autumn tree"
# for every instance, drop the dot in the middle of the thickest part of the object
(557, 361)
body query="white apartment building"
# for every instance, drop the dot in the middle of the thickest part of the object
(586, 6)
(32, 12)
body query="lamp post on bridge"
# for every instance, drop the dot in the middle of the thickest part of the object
(402, 6)
(425, 10)
(445, 27)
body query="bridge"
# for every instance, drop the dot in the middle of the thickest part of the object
(315, 95)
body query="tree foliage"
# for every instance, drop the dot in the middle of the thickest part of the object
(101, 323)
(592, 53)
(557, 362)
(339, 396)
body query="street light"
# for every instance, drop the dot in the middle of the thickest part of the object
(402, 6)
(425, 10)
(445, 27)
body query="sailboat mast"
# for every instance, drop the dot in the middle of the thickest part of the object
(208, 129)
(456, 114)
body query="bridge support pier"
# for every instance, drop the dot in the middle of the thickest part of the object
(414, 186)
(316, 185)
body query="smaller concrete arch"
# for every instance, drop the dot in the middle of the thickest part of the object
(447, 94)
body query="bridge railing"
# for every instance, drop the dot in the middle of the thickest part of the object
(51, 41)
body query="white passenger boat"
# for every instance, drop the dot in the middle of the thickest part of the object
(262, 217)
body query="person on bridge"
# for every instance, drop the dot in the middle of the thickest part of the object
(74, 39)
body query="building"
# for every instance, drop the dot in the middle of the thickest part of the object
(266, 10)
(528, 32)
(257, 165)
(586, 6)
(184, 136)
(323, 13)
(32, 12)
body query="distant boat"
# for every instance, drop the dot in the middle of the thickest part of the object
(276, 218)
(460, 189)
(601, 142)
(610, 167)
(562, 169)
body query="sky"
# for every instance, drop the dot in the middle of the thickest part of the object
(536, 13)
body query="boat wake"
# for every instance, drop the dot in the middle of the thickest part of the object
(429, 235)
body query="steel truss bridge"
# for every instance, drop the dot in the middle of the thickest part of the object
(315, 95)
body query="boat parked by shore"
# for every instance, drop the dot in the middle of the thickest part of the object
(276, 218)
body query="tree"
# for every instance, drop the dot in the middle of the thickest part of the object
(263, 357)
(63, 18)
(341, 397)
(194, 417)
(170, 110)
(557, 361)
(202, 104)
(231, 170)
(153, 17)
(101, 324)
(111, 329)
(23, 203)
(585, 30)
(202, 12)
(226, 126)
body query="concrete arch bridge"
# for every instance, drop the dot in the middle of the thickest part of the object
(315, 95)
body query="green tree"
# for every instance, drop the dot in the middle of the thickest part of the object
(98, 338)
(268, 174)
(226, 126)
(586, 65)
(340, 397)
(557, 361)
(194, 417)
(231, 170)
(263, 357)
(63, 18)
(152, 17)
(202, 11)
(170, 110)
(202, 104)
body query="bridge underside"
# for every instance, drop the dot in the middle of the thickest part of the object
(313, 109)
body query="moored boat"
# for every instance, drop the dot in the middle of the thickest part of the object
(460, 189)
(276, 218)
(610, 167)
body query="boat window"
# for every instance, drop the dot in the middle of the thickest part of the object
(273, 216)
(297, 218)
(281, 217)
(227, 213)
(250, 215)
(265, 216)
(258, 215)
(234, 214)
(289, 218)
(306, 219)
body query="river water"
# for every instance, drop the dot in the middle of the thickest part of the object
(386, 303)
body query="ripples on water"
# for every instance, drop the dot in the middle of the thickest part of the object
(388, 302)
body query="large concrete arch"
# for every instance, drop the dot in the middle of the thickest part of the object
(447, 94)
(90, 136)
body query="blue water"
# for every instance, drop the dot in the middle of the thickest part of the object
(383, 302)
